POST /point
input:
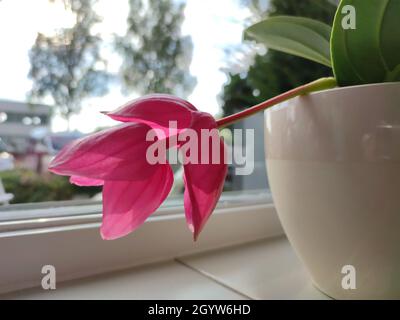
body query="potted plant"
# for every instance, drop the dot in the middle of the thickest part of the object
(333, 152)
(333, 157)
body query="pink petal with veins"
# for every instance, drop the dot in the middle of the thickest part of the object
(157, 110)
(118, 153)
(204, 182)
(127, 204)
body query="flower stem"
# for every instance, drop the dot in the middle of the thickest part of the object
(318, 85)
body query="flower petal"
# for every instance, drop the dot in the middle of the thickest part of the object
(127, 204)
(204, 182)
(113, 154)
(156, 110)
(85, 182)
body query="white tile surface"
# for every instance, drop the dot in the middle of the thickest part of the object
(168, 280)
(268, 269)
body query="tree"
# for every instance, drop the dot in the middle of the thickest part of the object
(67, 66)
(156, 57)
(276, 72)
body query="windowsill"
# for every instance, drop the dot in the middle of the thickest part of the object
(265, 269)
(68, 238)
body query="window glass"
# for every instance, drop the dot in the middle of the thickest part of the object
(72, 59)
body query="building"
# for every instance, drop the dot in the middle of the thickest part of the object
(17, 122)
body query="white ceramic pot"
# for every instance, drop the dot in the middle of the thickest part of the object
(333, 161)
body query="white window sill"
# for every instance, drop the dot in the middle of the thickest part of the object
(68, 238)
(265, 269)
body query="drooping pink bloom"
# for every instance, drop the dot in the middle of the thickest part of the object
(132, 187)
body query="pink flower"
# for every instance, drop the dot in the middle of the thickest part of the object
(132, 187)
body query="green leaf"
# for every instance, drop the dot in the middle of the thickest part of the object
(303, 37)
(370, 52)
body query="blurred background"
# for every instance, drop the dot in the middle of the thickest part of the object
(64, 61)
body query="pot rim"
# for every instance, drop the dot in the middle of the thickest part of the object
(347, 88)
(335, 90)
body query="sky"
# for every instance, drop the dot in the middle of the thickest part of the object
(213, 25)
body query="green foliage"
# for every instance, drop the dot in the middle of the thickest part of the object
(303, 37)
(66, 66)
(363, 47)
(277, 72)
(156, 57)
(370, 52)
(28, 186)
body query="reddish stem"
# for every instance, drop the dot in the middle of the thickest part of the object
(321, 84)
